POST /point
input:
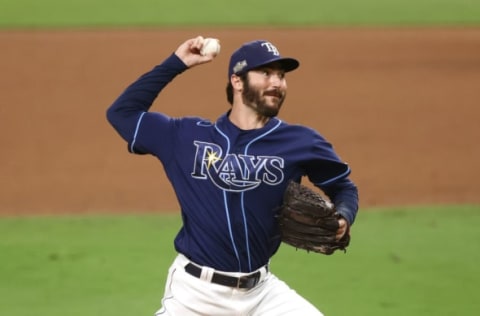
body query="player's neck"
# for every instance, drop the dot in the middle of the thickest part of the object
(246, 118)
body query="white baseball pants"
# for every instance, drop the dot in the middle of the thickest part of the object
(187, 295)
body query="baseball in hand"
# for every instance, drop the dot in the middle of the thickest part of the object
(211, 46)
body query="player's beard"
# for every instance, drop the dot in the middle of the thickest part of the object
(255, 99)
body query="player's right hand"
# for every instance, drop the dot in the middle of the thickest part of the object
(189, 52)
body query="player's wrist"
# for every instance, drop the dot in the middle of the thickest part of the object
(174, 63)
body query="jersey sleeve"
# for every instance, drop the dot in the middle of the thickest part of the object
(154, 134)
(325, 166)
(129, 112)
(329, 173)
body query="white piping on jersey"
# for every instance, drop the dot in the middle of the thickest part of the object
(346, 173)
(243, 193)
(242, 198)
(227, 213)
(136, 132)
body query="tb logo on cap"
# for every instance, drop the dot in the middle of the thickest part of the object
(271, 48)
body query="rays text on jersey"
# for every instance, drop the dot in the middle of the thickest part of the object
(235, 172)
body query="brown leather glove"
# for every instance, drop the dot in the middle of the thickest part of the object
(308, 221)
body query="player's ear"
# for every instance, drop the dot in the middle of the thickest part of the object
(237, 82)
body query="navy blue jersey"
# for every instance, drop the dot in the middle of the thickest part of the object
(229, 182)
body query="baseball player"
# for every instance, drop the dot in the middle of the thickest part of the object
(229, 177)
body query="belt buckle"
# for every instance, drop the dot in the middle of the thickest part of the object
(248, 281)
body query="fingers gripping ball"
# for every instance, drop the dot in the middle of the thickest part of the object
(211, 46)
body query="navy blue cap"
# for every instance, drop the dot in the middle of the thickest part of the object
(258, 53)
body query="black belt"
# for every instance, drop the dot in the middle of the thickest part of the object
(244, 282)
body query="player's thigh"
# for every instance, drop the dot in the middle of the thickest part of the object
(280, 300)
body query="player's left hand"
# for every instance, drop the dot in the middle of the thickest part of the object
(342, 229)
(189, 52)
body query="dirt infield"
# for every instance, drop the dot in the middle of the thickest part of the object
(401, 106)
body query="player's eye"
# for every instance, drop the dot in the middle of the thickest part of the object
(267, 73)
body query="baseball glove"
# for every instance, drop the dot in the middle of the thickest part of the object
(308, 221)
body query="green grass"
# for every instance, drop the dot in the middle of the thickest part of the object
(416, 261)
(84, 265)
(110, 13)
(401, 262)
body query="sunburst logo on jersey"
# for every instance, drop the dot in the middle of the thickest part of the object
(212, 158)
